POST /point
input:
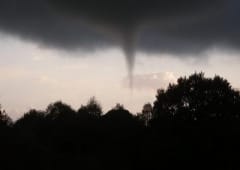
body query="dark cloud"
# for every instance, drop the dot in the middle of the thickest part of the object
(38, 21)
(169, 26)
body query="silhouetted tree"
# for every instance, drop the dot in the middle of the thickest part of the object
(146, 115)
(198, 98)
(60, 110)
(122, 135)
(92, 108)
(30, 128)
(119, 117)
(118, 107)
(5, 120)
(30, 121)
(6, 139)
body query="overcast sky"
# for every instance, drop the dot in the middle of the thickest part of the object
(72, 50)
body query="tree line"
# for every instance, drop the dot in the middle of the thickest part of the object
(192, 124)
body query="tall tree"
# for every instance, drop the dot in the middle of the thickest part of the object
(5, 120)
(198, 98)
(92, 108)
(60, 110)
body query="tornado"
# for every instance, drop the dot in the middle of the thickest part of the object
(129, 49)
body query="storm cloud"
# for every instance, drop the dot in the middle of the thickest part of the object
(154, 26)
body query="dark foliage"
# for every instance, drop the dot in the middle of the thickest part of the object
(198, 98)
(194, 125)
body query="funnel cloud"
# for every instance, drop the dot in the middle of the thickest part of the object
(153, 26)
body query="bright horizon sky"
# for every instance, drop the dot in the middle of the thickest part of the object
(33, 77)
